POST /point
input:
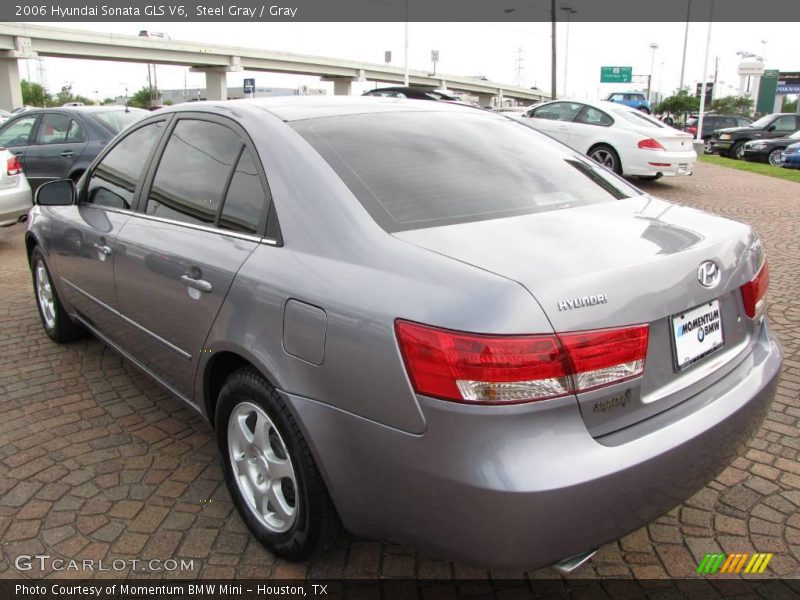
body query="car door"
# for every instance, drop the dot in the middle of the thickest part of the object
(555, 119)
(85, 234)
(590, 126)
(16, 135)
(782, 126)
(58, 143)
(200, 216)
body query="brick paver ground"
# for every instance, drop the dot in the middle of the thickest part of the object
(96, 462)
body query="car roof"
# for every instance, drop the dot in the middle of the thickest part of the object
(81, 109)
(296, 108)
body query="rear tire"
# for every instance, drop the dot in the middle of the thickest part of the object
(55, 320)
(270, 472)
(644, 110)
(606, 156)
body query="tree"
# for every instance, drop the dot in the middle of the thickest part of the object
(34, 94)
(789, 106)
(108, 101)
(737, 105)
(679, 104)
(140, 99)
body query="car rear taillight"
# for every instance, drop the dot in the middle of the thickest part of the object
(650, 144)
(755, 291)
(692, 130)
(499, 369)
(14, 166)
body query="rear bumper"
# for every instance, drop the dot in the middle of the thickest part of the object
(667, 163)
(15, 202)
(520, 487)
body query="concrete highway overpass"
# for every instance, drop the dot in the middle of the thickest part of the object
(21, 41)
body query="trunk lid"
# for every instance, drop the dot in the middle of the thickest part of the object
(614, 264)
(672, 139)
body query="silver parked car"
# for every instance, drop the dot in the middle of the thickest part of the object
(426, 322)
(15, 192)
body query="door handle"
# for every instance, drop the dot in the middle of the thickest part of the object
(67, 153)
(102, 249)
(198, 284)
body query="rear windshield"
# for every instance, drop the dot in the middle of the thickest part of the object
(412, 170)
(117, 120)
(641, 120)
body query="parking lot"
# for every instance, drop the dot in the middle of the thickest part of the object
(96, 462)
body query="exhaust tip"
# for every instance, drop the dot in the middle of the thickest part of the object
(568, 565)
(23, 218)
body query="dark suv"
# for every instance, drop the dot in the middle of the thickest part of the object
(730, 142)
(713, 122)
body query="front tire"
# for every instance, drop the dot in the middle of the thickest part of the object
(606, 156)
(775, 157)
(270, 472)
(737, 151)
(55, 320)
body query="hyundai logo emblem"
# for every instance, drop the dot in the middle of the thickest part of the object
(708, 274)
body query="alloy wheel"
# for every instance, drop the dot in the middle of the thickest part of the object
(775, 157)
(44, 294)
(604, 157)
(262, 467)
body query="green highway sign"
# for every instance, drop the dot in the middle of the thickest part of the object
(616, 74)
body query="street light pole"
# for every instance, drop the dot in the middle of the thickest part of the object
(685, 41)
(705, 76)
(405, 46)
(653, 47)
(568, 11)
(553, 50)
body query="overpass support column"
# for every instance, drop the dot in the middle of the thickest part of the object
(216, 85)
(485, 100)
(10, 88)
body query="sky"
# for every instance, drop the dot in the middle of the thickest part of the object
(488, 49)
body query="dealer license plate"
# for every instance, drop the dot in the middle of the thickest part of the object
(696, 333)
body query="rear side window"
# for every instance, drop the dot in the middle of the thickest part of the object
(113, 181)
(193, 172)
(424, 169)
(245, 200)
(55, 129)
(592, 116)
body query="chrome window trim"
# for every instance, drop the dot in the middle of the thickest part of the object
(234, 234)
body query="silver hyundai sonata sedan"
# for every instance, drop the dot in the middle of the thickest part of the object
(426, 322)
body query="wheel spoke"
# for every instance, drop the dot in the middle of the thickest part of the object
(261, 432)
(278, 502)
(279, 468)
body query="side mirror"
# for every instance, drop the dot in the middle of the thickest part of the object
(60, 192)
(771, 128)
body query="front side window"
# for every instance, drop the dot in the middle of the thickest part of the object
(558, 111)
(113, 181)
(440, 168)
(785, 123)
(193, 172)
(17, 133)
